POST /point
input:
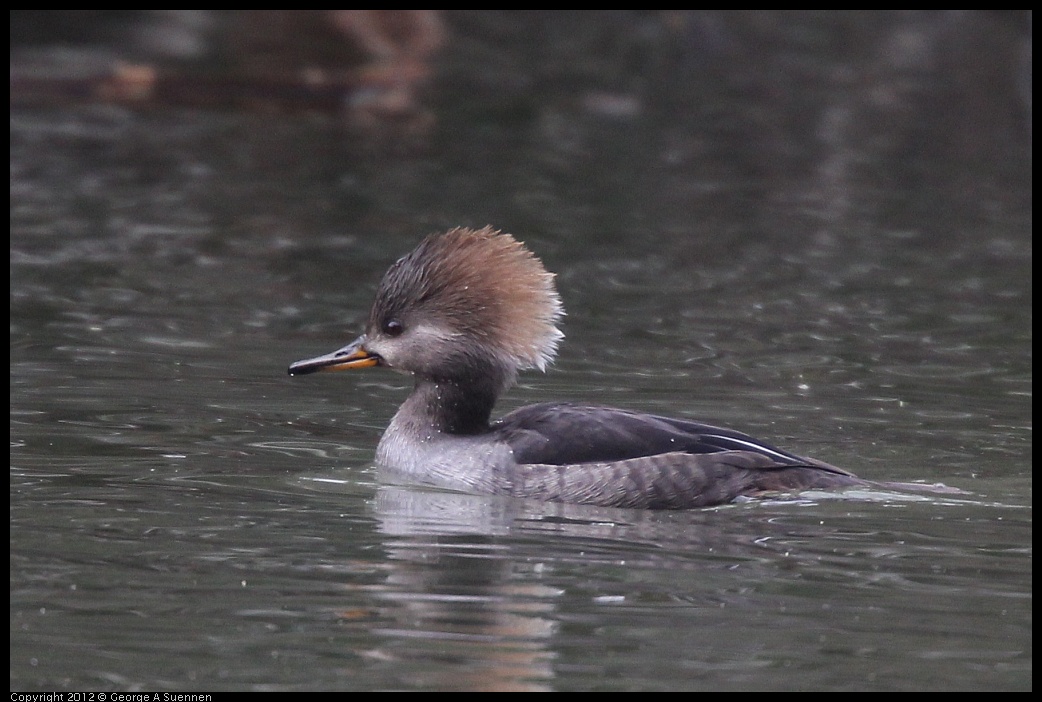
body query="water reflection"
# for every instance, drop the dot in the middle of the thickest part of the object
(472, 579)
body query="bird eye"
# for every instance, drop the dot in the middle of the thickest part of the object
(392, 327)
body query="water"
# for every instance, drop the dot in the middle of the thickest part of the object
(185, 517)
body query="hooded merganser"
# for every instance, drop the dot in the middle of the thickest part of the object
(466, 310)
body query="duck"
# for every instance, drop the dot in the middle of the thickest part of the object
(463, 313)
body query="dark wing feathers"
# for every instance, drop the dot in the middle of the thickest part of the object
(611, 457)
(564, 434)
